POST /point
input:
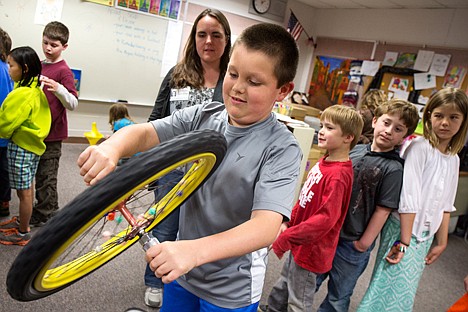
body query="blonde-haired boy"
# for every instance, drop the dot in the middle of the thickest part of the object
(312, 234)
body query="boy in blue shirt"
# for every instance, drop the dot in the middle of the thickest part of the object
(6, 85)
(219, 261)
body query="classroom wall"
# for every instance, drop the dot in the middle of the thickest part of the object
(424, 27)
(436, 27)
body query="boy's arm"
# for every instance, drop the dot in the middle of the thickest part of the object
(97, 161)
(170, 260)
(68, 100)
(442, 240)
(377, 221)
(318, 224)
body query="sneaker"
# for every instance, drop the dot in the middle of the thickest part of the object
(262, 308)
(12, 224)
(14, 237)
(4, 209)
(153, 297)
(37, 221)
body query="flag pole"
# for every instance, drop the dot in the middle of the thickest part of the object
(309, 38)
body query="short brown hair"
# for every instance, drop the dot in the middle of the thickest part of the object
(276, 42)
(404, 109)
(349, 120)
(56, 31)
(5, 45)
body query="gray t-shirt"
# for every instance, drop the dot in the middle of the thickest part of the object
(377, 182)
(259, 172)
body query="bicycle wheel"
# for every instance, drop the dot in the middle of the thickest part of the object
(90, 231)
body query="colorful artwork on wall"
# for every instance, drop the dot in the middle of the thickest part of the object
(329, 82)
(163, 8)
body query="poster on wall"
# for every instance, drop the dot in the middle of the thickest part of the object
(103, 2)
(405, 60)
(454, 77)
(398, 84)
(329, 82)
(163, 8)
(77, 79)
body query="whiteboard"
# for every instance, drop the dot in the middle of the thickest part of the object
(119, 52)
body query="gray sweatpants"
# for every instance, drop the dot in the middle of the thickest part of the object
(295, 289)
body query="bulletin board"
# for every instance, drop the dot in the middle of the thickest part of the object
(118, 52)
(365, 50)
(390, 80)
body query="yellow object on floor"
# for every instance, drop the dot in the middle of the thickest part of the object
(94, 135)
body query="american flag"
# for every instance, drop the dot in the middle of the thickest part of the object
(294, 27)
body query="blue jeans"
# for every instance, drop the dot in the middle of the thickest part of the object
(176, 298)
(167, 229)
(348, 265)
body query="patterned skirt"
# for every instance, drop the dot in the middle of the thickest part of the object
(393, 286)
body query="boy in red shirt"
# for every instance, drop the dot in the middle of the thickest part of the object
(313, 232)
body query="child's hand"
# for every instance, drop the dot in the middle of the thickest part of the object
(283, 227)
(50, 84)
(466, 283)
(358, 246)
(170, 260)
(434, 254)
(96, 162)
(395, 255)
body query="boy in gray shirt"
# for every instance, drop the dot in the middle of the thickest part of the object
(225, 228)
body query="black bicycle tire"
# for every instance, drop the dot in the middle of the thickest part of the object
(72, 217)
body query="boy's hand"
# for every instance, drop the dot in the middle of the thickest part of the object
(50, 84)
(359, 247)
(96, 162)
(170, 260)
(466, 283)
(434, 254)
(283, 227)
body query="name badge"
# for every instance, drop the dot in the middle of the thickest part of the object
(180, 94)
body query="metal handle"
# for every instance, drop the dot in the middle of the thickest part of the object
(147, 240)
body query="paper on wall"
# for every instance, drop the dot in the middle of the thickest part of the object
(400, 94)
(424, 81)
(370, 68)
(390, 58)
(48, 11)
(423, 60)
(439, 64)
